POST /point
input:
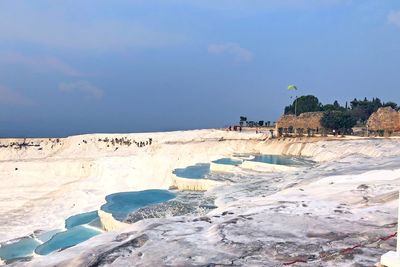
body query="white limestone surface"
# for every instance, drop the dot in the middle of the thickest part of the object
(108, 223)
(181, 183)
(48, 180)
(265, 167)
(348, 197)
(216, 167)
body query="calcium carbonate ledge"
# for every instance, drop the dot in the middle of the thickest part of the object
(265, 167)
(193, 184)
(109, 223)
(216, 167)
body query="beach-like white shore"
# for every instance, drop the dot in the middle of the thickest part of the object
(268, 218)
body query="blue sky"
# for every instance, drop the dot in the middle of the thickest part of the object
(69, 67)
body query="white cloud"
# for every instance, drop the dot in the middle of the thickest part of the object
(394, 18)
(44, 64)
(84, 87)
(14, 98)
(234, 49)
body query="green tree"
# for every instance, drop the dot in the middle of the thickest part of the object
(242, 120)
(328, 107)
(332, 107)
(336, 104)
(361, 110)
(251, 123)
(390, 104)
(338, 120)
(308, 103)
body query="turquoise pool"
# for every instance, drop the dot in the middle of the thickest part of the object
(46, 236)
(79, 228)
(67, 239)
(20, 249)
(121, 204)
(275, 159)
(228, 161)
(198, 171)
(79, 219)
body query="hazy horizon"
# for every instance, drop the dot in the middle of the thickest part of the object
(140, 66)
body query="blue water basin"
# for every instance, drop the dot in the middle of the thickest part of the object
(198, 171)
(79, 226)
(121, 204)
(278, 159)
(46, 236)
(228, 161)
(79, 219)
(67, 239)
(20, 249)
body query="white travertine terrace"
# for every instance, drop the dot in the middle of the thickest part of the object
(216, 167)
(193, 184)
(108, 223)
(349, 196)
(265, 167)
(51, 179)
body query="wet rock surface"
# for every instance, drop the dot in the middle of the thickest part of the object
(186, 203)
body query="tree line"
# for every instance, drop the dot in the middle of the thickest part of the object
(337, 117)
(243, 121)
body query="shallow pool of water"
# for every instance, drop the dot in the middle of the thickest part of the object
(228, 161)
(80, 227)
(67, 239)
(79, 219)
(279, 160)
(274, 159)
(198, 171)
(121, 204)
(20, 249)
(46, 236)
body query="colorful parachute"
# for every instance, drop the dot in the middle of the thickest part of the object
(292, 87)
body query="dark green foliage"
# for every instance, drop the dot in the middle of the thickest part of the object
(242, 120)
(338, 120)
(335, 106)
(289, 110)
(251, 124)
(308, 103)
(391, 104)
(261, 123)
(361, 110)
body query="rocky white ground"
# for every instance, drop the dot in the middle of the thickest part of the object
(48, 180)
(332, 213)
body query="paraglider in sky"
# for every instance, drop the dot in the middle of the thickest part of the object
(292, 87)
